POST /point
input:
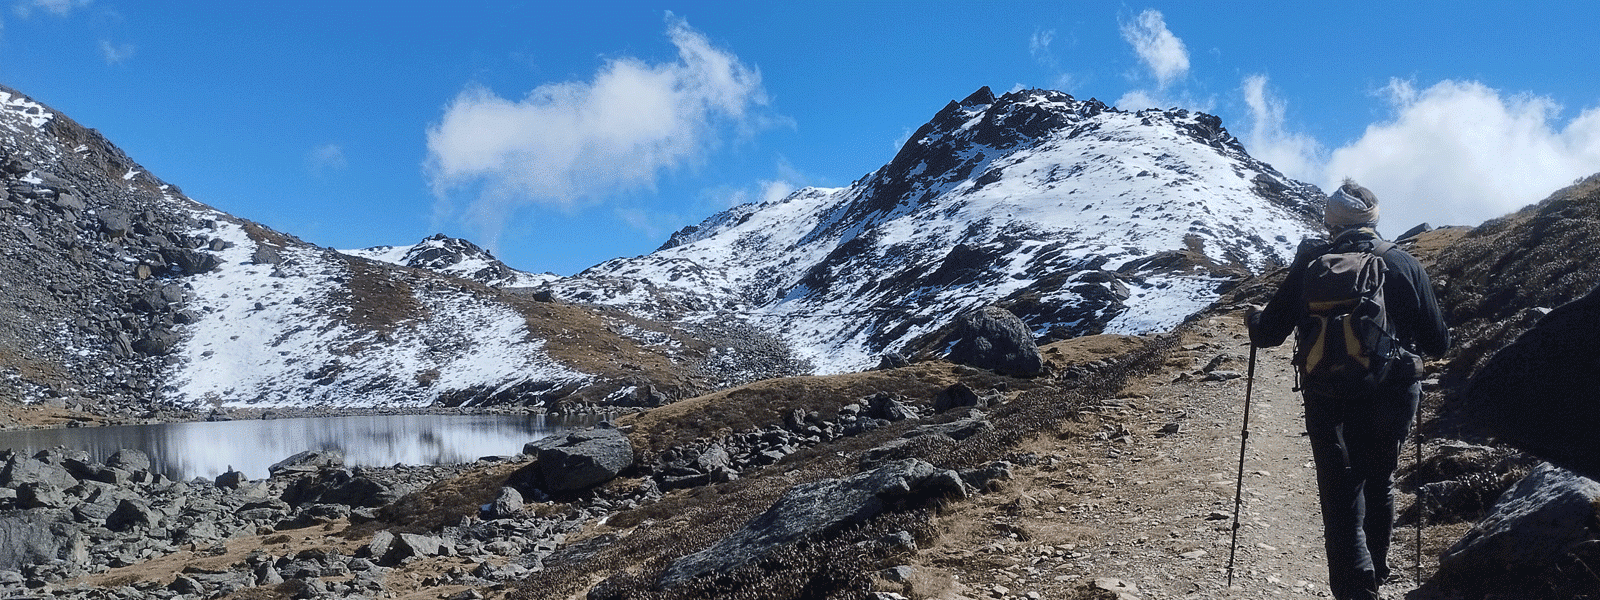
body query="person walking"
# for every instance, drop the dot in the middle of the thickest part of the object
(1356, 438)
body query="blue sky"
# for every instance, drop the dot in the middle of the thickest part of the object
(563, 134)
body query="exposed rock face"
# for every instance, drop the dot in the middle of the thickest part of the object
(816, 509)
(29, 537)
(581, 459)
(1533, 526)
(1542, 392)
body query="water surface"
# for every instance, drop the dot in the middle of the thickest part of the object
(206, 449)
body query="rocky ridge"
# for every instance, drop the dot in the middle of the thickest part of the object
(1078, 217)
(127, 299)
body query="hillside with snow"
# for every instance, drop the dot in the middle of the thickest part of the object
(126, 296)
(1078, 217)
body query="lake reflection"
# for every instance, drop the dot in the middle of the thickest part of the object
(184, 451)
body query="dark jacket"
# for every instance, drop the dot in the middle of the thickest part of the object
(1419, 324)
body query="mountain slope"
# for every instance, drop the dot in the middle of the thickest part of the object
(123, 295)
(1080, 218)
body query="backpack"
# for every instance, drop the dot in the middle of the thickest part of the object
(1345, 345)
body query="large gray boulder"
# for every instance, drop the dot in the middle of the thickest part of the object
(309, 461)
(31, 537)
(21, 470)
(1541, 393)
(1531, 527)
(581, 459)
(817, 509)
(993, 338)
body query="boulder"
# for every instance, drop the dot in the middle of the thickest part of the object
(992, 338)
(22, 470)
(1541, 393)
(309, 461)
(817, 509)
(887, 406)
(190, 261)
(131, 513)
(389, 549)
(129, 460)
(265, 255)
(956, 396)
(1532, 527)
(506, 505)
(157, 342)
(40, 494)
(115, 222)
(30, 538)
(581, 459)
(231, 479)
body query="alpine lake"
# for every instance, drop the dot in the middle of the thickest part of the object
(206, 449)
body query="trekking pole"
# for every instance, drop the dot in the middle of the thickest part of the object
(1244, 439)
(1421, 506)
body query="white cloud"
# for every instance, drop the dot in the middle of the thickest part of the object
(1163, 53)
(326, 157)
(571, 144)
(1139, 100)
(116, 54)
(1039, 48)
(1297, 155)
(60, 8)
(1459, 153)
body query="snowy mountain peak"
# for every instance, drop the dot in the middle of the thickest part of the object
(453, 256)
(1079, 217)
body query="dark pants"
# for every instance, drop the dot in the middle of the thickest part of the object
(1356, 445)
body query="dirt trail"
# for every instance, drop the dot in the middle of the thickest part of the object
(1141, 491)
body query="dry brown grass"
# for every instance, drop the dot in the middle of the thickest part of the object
(647, 539)
(378, 300)
(446, 501)
(585, 338)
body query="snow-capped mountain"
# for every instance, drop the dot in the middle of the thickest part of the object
(454, 256)
(118, 291)
(121, 292)
(1078, 217)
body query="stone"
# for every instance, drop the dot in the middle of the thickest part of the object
(581, 459)
(265, 255)
(995, 339)
(1532, 526)
(22, 470)
(40, 494)
(1122, 590)
(29, 538)
(888, 407)
(815, 509)
(507, 504)
(407, 545)
(131, 513)
(309, 461)
(231, 480)
(1541, 393)
(114, 222)
(956, 396)
(378, 547)
(157, 342)
(900, 574)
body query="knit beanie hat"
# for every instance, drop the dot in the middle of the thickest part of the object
(1351, 205)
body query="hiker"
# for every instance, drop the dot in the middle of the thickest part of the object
(1356, 436)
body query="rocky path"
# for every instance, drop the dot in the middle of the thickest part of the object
(1137, 496)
